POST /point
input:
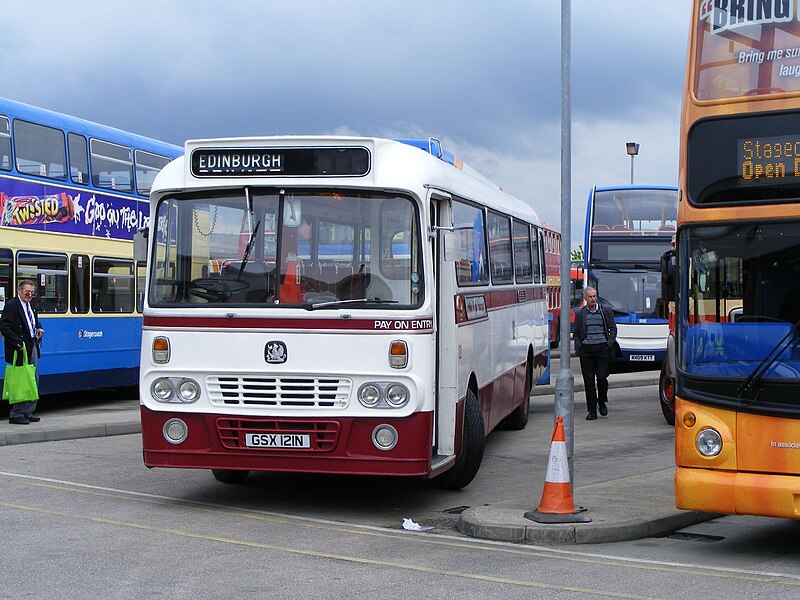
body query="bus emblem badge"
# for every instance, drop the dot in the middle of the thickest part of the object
(275, 352)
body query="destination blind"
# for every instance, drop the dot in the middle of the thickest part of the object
(293, 162)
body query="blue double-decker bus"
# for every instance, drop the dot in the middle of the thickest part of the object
(628, 229)
(72, 195)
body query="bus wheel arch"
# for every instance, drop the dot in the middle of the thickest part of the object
(666, 395)
(518, 418)
(473, 441)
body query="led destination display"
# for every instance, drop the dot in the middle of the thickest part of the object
(749, 159)
(768, 159)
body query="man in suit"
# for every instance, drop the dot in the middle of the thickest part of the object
(595, 334)
(22, 331)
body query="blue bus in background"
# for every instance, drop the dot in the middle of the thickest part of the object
(72, 195)
(628, 229)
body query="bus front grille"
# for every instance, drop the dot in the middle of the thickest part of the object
(323, 435)
(273, 391)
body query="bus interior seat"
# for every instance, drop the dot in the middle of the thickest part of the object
(601, 227)
(354, 285)
(378, 288)
(620, 227)
(667, 228)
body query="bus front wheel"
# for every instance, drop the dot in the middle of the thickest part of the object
(472, 444)
(229, 475)
(666, 395)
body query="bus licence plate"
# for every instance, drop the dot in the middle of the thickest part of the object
(277, 440)
(643, 357)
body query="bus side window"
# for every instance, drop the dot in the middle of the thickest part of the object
(147, 167)
(113, 285)
(111, 166)
(522, 252)
(537, 259)
(49, 274)
(79, 283)
(78, 158)
(472, 267)
(6, 269)
(5, 144)
(40, 150)
(500, 248)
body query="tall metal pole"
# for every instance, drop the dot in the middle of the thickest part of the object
(565, 383)
(631, 169)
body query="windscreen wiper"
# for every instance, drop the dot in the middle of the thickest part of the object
(248, 248)
(788, 341)
(605, 267)
(338, 303)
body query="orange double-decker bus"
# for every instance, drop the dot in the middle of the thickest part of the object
(737, 267)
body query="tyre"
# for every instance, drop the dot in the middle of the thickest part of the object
(471, 455)
(666, 395)
(518, 419)
(229, 475)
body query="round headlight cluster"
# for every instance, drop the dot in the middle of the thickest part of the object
(175, 389)
(369, 394)
(396, 395)
(383, 394)
(709, 442)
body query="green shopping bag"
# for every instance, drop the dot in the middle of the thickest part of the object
(19, 384)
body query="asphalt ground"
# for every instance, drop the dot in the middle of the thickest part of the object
(645, 512)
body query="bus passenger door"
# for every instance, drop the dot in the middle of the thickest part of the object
(447, 391)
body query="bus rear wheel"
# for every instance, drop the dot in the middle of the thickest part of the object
(229, 475)
(472, 444)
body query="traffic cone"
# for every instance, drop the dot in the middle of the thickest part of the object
(556, 505)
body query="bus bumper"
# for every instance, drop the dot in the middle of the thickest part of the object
(738, 493)
(338, 445)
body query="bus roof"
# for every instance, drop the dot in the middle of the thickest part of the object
(43, 116)
(393, 164)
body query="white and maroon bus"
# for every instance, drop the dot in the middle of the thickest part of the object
(336, 305)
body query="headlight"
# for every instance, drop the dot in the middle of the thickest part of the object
(709, 442)
(396, 395)
(175, 390)
(188, 390)
(162, 390)
(383, 394)
(369, 394)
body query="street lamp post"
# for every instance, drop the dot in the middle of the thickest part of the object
(633, 150)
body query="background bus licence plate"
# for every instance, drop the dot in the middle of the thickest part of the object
(643, 357)
(277, 440)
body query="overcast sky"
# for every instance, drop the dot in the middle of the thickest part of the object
(482, 76)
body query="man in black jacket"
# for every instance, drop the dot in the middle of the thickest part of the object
(595, 334)
(22, 332)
